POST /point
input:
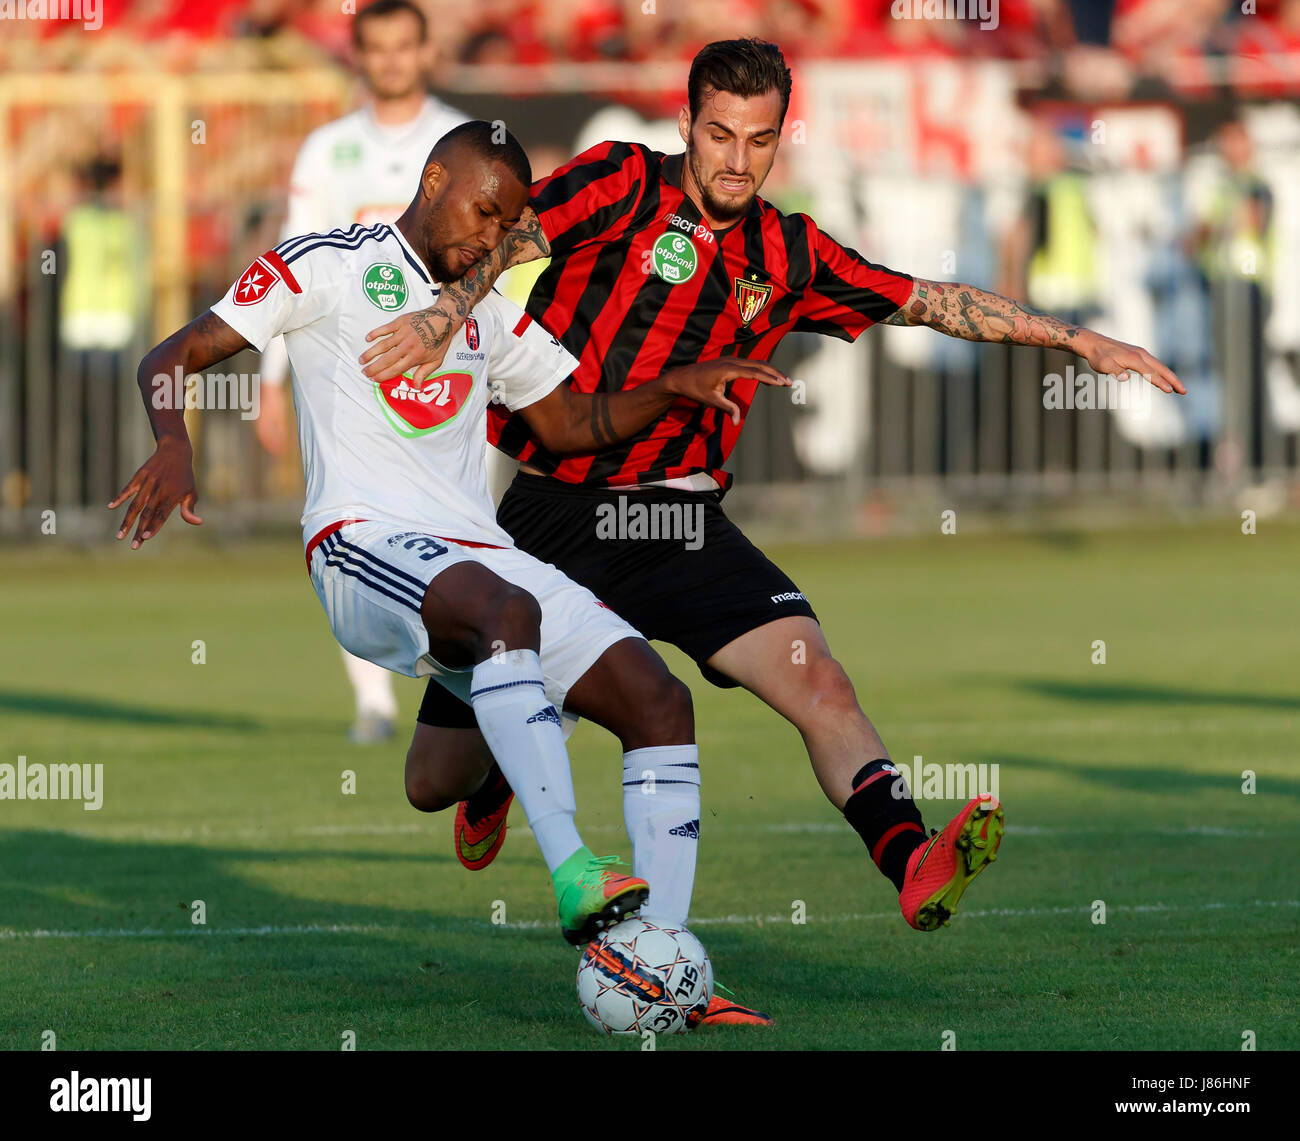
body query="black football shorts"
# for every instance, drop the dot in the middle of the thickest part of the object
(669, 562)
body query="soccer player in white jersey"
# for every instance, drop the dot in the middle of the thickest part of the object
(361, 168)
(402, 544)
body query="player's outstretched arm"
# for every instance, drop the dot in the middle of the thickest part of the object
(567, 422)
(976, 315)
(166, 479)
(418, 341)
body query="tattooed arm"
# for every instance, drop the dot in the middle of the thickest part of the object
(419, 340)
(567, 422)
(975, 315)
(166, 479)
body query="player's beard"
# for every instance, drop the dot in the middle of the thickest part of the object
(442, 251)
(442, 269)
(722, 209)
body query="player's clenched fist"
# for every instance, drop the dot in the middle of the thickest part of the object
(706, 381)
(165, 480)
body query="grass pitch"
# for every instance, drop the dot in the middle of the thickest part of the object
(328, 913)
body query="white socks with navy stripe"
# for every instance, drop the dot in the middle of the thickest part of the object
(522, 728)
(661, 785)
(661, 808)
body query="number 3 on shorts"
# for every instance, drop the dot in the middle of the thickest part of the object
(429, 548)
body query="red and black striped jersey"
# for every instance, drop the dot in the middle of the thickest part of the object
(638, 284)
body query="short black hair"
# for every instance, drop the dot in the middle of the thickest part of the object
(489, 141)
(746, 68)
(382, 8)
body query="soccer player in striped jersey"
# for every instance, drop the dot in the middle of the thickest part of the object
(404, 554)
(656, 260)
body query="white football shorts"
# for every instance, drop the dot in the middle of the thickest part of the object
(371, 578)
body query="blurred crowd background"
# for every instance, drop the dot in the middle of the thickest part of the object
(1131, 164)
(1159, 37)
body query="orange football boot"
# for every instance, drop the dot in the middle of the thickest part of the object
(480, 827)
(938, 872)
(724, 1010)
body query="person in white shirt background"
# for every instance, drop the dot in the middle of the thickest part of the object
(360, 168)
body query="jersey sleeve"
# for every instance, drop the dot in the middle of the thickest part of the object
(847, 294)
(593, 196)
(524, 361)
(278, 293)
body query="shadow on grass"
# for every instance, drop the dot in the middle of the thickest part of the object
(98, 709)
(1159, 781)
(388, 961)
(412, 979)
(51, 875)
(1127, 693)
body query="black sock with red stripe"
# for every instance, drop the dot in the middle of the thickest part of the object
(882, 812)
(489, 796)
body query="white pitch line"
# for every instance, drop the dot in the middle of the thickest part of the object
(1048, 830)
(810, 827)
(187, 932)
(699, 921)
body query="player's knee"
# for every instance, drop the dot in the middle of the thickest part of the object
(424, 794)
(827, 688)
(511, 619)
(424, 789)
(662, 714)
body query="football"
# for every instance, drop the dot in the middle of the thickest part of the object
(639, 976)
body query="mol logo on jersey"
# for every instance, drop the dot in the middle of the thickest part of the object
(415, 409)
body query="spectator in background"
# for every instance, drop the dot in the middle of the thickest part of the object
(1230, 236)
(1050, 253)
(101, 304)
(101, 301)
(1230, 243)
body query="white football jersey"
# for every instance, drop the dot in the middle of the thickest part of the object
(355, 169)
(399, 450)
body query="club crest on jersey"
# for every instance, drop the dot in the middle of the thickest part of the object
(751, 296)
(257, 280)
(385, 287)
(471, 334)
(674, 258)
(414, 408)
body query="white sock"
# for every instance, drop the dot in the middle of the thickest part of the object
(372, 686)
(522, 728)
(661, 808)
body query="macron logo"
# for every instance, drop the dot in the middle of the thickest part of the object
(688, 831)
(547, 714)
